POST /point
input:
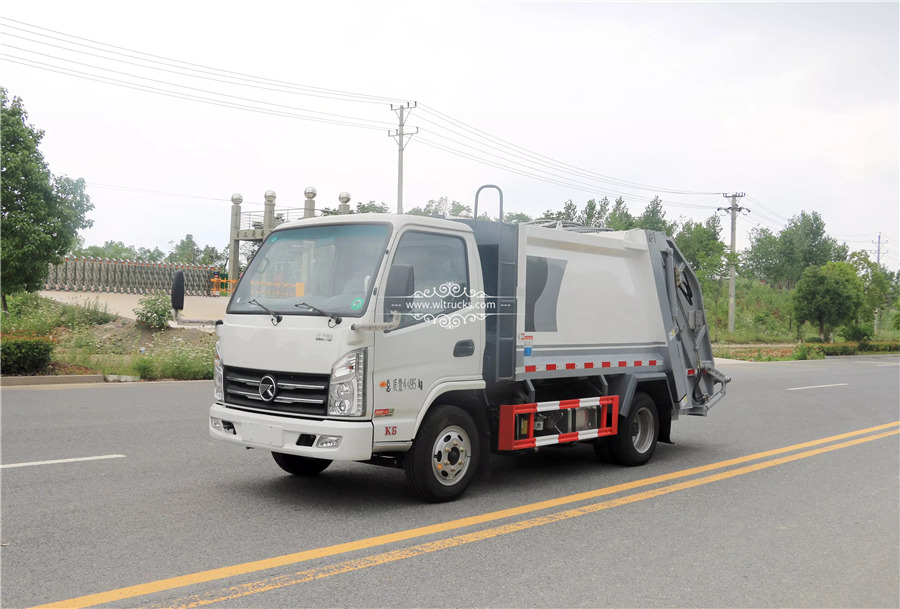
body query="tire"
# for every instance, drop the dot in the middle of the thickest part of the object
(444, 456)
(636, 440)
(300, 466)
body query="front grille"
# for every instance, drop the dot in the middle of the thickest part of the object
(296, 394)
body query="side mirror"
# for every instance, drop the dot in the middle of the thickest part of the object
(178, 291)
(399, 289)
(178, 304)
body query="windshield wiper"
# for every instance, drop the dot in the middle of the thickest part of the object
(335, 318)
(276, 317)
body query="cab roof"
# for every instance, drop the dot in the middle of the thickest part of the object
(396, 220)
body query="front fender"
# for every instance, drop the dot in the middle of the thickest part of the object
(444, 388)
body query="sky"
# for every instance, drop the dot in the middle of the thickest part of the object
(168, 110)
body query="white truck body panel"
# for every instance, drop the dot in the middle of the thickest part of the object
(607, 295)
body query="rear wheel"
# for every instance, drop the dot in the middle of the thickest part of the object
(636, 440)
(444, 457)
(300, 466)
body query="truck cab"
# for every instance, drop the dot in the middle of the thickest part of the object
(310, 363)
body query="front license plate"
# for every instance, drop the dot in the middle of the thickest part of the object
(262, 434)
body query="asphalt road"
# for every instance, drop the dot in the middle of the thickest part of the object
(788, 494)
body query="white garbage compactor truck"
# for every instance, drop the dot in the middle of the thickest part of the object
(428, 343)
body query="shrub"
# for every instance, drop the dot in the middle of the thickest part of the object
(178, 361)
(30, 315)
(87, 313)
(858, 333)
(839, 348)
(24, 354)
(155, 310)
(814, 339)
(807, 351)
(879, 347)
(145, 368)
(183, 362)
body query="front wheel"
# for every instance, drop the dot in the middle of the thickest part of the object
(636, 440)
(300, 466)
(444, 457)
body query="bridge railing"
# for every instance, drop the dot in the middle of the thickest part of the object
(85, 274)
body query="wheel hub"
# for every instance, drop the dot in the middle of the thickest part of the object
(642, 430)
(451, 455)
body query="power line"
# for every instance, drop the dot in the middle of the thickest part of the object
(547, 176)
(768, 209)
(186, 96)
(109, 80)
(257, 101)
(529, 164)
(347, 95)
(553, 169)
(618, 181)
(550, 178)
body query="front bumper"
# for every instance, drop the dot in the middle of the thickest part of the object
(281, 434)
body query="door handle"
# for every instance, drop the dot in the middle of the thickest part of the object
(464, 348)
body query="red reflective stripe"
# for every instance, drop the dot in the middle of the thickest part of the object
(652, 362)
(551, 367)
(563, 404)
(622, 364)
(568, 437)
(530, 368)
(570, 366)
(638, 363)
(589, 365)
(606, 364)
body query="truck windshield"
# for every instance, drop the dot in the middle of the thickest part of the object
(331, 268)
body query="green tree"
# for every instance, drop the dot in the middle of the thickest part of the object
(701, 246)
(876, 282)
(372, 208)
(154, 255)
(185, 252)
(619, 217)
(594, 214)
(781, 259)
(828, 295)
(442, 207)
(210, 256)
(569, 213)
(654, 218)
(517, 217)
(41, 213)
(117, 250)
(361, 208)
(762, 259)
(110, 249)
(804, 243)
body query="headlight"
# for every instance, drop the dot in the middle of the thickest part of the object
(347, 392)
(218, 377)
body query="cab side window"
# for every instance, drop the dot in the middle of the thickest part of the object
(440, 273)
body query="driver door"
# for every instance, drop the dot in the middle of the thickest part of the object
(439, 339)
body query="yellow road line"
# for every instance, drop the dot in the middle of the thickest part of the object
(162, 585)
(452, 542)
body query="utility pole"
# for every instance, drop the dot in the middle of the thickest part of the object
(734, 210)
(402, 138)
(878, 262)
(878, 251)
